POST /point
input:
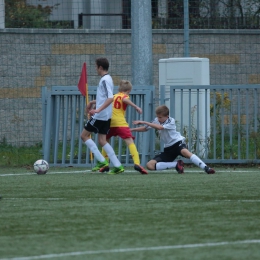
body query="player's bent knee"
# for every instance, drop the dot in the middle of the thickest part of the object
(84, 136)
(150, 166)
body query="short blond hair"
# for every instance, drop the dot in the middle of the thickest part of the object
(162, 111)
(125, 85)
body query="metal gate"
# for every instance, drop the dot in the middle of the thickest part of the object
(221, 123)
(221, 127)
(63, 120)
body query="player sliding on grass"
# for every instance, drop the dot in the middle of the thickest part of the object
(174, 144)
(100, 119)
(119, 126)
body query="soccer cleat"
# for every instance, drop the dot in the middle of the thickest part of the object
(180, 166)
(140, 169)
(117, 170)
(209, 170)
(100, 165)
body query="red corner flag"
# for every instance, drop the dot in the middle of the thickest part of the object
(83, 81)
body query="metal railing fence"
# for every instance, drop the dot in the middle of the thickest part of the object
(63, 121)
(220, 122)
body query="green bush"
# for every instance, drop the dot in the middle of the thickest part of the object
(20, 15)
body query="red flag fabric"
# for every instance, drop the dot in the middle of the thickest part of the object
(83, 81)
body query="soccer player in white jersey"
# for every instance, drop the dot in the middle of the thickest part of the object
(100, 118)
(174, 144)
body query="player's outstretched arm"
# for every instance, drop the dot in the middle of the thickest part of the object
(139, 129)
(130, 103)
(155, 126)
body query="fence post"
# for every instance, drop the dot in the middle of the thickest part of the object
(47, 136)
(141, 24)
(186, 28)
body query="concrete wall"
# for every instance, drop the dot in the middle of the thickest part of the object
(33, 58)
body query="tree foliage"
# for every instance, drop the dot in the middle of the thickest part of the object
(203, 14)
(212, 14)
(18, 14)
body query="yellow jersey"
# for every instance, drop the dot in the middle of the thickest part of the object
(118, 111)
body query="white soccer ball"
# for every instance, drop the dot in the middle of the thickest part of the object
(41, 166)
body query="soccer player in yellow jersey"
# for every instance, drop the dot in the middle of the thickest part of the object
(119, 126)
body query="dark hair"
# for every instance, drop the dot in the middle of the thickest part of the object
(103, 62)
(162, 110)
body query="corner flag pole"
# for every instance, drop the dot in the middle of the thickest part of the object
(83, 88)
(91, 155)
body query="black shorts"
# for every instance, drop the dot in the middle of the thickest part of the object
(97, 126)
(169, 154)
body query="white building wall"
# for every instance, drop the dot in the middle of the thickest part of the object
(69, 10)
(2, 14)
(163, 8)
(103, 7)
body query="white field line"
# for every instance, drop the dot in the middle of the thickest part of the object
(127, 199)
(153, 172)
(33, 173)
(137, 249)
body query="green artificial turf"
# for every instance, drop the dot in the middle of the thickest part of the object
(71, 214)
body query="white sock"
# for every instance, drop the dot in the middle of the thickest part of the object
(165, 165)
(197, 161)
(111, 154)
(94, 149)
